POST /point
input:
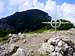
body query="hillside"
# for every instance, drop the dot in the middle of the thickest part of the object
(32, 42)
(28, 21)
(24, 21)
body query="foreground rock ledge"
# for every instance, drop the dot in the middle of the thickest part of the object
(58, 47)
(10, 49)
(51, 47)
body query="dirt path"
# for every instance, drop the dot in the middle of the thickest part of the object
(34, 41)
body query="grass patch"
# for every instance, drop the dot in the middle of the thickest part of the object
(3, 39)
(41, 30)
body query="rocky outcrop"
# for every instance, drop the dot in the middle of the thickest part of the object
(15, 37)
(58, 47)
(20, 52)
(7, 50)
(4, 50)
(13, 50)
(28, 45)
(10, 48)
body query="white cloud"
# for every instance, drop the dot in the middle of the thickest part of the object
(2, 6)
(66, 10)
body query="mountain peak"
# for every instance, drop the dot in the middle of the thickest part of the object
(26, 20)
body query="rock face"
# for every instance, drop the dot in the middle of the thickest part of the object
(15, 37)
(10, 48)
(58, 47)
(3, 50)
(13, 50)
(6, 50)
(20, 52)
(25, 45)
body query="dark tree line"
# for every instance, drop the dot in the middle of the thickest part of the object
(27, 21)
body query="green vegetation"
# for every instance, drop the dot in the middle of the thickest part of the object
(43, 29)
(29, 21)
(3, 39)
(66, 26)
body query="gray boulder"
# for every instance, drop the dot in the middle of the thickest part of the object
(20, 52)
(58, 47)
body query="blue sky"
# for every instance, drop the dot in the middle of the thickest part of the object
(55, 8)
(67, 1)
(60, 1)
(43, 1)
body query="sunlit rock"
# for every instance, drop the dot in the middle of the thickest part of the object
(10, 35)
(21, 36)
(58, 54)
(20, 52)
(14, 38)
(60, 43)
(53, 54)
(58, 47)
(24, 41)
(19, 33)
